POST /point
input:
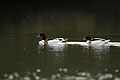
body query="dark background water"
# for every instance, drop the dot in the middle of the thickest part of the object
(82, 16)
(20, 22)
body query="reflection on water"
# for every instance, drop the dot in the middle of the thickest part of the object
(52, 48)
(102, 49)
(51, 57)
(100, 55)
(53, 53)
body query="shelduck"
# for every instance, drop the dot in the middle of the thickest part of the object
(47, 41)
(97, 41)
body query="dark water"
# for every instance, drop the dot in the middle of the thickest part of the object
(20, 53)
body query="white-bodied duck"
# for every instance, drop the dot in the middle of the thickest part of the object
(46, 41)
(96, 41)
(91, 41)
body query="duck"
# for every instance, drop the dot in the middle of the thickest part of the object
(96, 41)
(48, 41)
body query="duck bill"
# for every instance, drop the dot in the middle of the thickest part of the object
(84, 38)
(38, 36)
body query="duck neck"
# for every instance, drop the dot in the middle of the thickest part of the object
(44, 38)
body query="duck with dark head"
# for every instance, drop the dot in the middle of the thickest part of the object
(88, 38)
(43, 38)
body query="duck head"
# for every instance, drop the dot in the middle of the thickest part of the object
(87, 38)
(42, 35)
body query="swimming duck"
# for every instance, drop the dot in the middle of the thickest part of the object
(46, 41)
(99, 41)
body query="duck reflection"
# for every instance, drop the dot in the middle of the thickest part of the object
(52, 48)
(97, 49)
(99, 54)
(51, 57)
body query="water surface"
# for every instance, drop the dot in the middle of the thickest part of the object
(21, 54)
